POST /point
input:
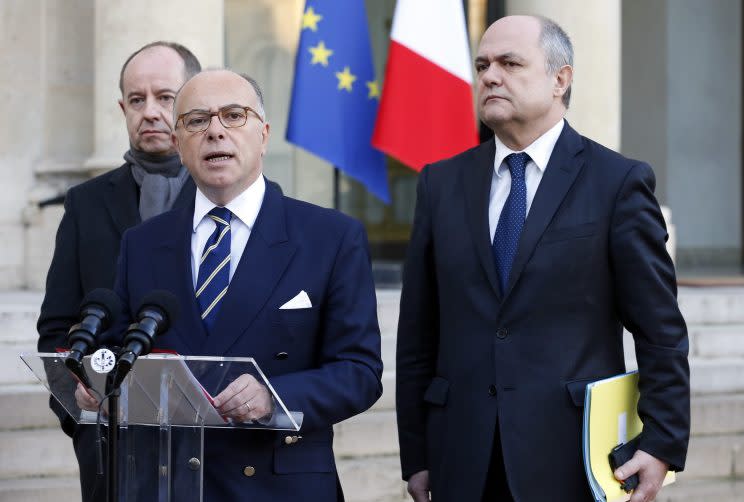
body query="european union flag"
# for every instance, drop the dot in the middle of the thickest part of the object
(335, 94)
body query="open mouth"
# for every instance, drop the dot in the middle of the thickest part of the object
(218, 157)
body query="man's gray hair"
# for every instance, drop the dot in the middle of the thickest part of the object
(558, 50)
(258, 91)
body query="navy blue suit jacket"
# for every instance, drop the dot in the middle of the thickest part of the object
(97, 212)
(332, 368)
(591, 259)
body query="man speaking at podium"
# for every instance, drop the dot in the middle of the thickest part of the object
(262, 275)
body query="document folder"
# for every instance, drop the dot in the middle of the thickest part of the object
(610, 418)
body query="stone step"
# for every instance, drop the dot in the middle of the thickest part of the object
(716, 340)
(387, 400)
(720, 456)
(12, 369)
(19, 311)
(684, 490)
(715, 305)
(40, 489)
(29, 452)
(372, 433)
(717, 414)
(388, 305)
(26, 407)
(716, 376)
(372, 479)
(709, 376)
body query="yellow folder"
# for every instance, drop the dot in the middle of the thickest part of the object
(610, 418)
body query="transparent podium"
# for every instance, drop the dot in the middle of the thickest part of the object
(164, 407)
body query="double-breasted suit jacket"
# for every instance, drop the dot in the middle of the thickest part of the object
(323, 361)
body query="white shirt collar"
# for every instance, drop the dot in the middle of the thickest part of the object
(539, 150)
(245, 206)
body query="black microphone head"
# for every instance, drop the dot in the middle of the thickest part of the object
(105, 299)
(164, 301)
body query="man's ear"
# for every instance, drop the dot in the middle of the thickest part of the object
(174, 141)
(265, 133)
(563, 80)
(121, 105)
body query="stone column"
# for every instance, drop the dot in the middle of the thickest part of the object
(594, 29)
(121, 27)
(21, 130)
(68, 77)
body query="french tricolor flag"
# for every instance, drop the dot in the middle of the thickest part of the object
(426, 110)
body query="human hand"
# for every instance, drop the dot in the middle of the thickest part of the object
(418, 486)
(84, 399)
(244, 399)
(651, 472)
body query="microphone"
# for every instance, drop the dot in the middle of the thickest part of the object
(156, 314)
(96, 311)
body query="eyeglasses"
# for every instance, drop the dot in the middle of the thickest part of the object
(230, 116)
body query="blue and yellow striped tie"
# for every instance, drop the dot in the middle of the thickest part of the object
(214, 268)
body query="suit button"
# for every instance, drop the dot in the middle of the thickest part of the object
(281, 355)
(291, 439)
(249, 470)
(492, 390)
(194, 464)
(501, 333)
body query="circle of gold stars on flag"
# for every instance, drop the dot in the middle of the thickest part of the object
(320, 54)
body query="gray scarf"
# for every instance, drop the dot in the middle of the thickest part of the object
(160, 178)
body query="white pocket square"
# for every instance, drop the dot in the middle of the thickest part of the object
(301, 301)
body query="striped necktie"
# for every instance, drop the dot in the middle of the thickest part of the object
(214, 268)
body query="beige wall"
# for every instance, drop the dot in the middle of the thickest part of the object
(594, 29)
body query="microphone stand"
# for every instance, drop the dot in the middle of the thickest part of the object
(112, 470)
(113, 391)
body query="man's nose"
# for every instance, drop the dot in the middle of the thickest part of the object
(153, 110)
(492, 75)
(215, 130)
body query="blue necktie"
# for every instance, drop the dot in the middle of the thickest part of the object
(511, 221)
(214, 268)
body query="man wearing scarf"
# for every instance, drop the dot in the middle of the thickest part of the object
(97, 212)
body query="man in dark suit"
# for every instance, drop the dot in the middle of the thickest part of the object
(528, 255)
(262, 275)
(97, 213)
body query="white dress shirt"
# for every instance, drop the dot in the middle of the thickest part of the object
(539, 152)
(244, 208)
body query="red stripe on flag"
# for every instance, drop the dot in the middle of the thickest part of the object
(426, 113)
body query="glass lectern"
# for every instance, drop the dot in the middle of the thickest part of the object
(164, 406)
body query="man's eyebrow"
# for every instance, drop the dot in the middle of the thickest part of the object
(157, 91)
(233, 105)
(500, 57)
(196, 110)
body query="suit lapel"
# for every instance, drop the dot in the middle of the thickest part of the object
(477, 183)
(172, 267)
(121, 200)
(186, 195)
(265, 258)
(560, 174)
